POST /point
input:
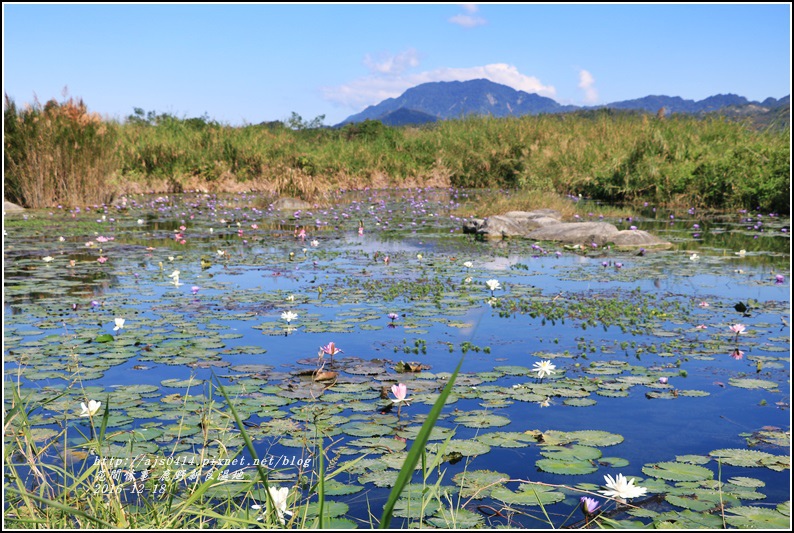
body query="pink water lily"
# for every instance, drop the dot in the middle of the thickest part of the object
(329, 349)
(400, 391)
(738, 329)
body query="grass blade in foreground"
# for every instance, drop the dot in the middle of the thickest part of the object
(416, 450)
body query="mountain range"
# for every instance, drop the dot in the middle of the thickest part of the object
(442, 100)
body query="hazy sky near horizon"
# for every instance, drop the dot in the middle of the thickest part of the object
(248, 63)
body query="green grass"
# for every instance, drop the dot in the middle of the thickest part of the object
(616, 157)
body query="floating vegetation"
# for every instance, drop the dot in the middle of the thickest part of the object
(254, 309)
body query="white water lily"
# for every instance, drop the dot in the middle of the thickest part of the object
(544, 368)
(468, 264)
(119, 324)
(90, 409)
(493, 284)
(694, 257)
(47, 259)
(622, 488)
(279, 497)
(315, 242)
(289, 316)
(141, 222)
(174, 274)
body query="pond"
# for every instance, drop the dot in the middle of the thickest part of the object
(670, 367)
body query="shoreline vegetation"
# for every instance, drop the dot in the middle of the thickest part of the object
(60, 153)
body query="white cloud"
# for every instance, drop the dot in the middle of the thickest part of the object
(470, 20)
(392, 64)
(375, 88)
(587, 84)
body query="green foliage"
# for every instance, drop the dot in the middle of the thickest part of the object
(678, 161)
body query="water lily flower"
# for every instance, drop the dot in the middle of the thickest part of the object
(290, 298)
(315, 243)
(701, 326)
(737, 354)
(589, 505)
(102, 260)
(738, 329)
(119, 323)
(468, 264)
(400, 391)
(544, 368)
(386, 260)
(61, 238)
(741, 253)
(289, 316)
(393, 316)
(621, 488)
(703, 304)
(694, 257)
(221, 253)
(663, 380)
(141, 222)
(90, 409)
(467, 279)
(493, 285)
(279, 497)
(194, 289)
(47, 259)
(779, 279)
(330, 349)
(419, 256)
(545, 403)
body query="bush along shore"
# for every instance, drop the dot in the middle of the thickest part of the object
(60, 153)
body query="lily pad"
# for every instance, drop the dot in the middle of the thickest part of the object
(572, 467)
(673, 471)
(528, 494)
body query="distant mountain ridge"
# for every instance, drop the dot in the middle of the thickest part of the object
(455, 99)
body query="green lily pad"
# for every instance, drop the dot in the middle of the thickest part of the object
(528, 494)
(757, 518)
(570, 452)
(741, 457)
(572, 467)
(478, 482)
(482, 419)
(749, 383)
(673, 471)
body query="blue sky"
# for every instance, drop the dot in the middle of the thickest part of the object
(251, 63)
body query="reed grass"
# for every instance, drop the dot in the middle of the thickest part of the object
(616, 157)
(58, 153)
